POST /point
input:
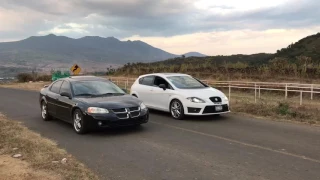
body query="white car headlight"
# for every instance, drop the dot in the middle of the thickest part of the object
(96, 110)
(196, 100)
(143, 106)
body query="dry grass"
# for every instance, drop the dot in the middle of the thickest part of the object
(276, 110)
(38, 154)
(33, 86)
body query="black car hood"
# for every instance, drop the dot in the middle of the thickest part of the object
(111, 102)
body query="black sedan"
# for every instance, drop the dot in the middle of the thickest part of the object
(90, 102)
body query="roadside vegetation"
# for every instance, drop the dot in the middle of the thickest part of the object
(25, 155)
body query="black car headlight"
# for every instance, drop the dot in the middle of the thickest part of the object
(143, 106)
(96, 110)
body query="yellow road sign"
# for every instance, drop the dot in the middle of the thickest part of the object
(75, 69)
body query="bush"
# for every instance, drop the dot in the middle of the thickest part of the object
(24, 77)
(283, 109)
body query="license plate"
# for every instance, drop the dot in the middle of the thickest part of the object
(218, 108)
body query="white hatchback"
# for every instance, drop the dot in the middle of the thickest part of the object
(180, 94)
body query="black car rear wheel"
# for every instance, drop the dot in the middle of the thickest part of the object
(44, 111)
(79, 124)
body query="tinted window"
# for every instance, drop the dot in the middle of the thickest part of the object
(65, 87)
(148, 80)
(186, 82)
(160, 80)
(84, 88)
(56, 87)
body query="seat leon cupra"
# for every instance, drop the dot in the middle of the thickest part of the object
(89, 102)
(179, 94)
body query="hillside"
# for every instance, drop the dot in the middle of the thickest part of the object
(61, 49)
(308, 46)
(298, 60)
(194, 54)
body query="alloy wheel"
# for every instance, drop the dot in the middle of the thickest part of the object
(177, 109)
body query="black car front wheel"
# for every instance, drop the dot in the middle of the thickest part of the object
(44, 111)
(79, 124)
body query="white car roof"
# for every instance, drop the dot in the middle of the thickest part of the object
(165, 74)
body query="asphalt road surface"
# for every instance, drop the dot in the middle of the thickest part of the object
(228, 147)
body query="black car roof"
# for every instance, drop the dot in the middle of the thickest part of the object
(83, 78)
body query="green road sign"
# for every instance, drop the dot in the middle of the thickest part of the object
(58, 74)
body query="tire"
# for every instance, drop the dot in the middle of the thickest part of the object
(44, 112)
(176, 109)
(79, 124)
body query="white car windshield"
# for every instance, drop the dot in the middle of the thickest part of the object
(186, 82)
(95, 88)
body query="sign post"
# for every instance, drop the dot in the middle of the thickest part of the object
(75, 69)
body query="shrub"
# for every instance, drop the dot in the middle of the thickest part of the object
(24, 77)
(283, 109)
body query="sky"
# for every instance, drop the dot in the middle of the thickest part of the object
(210, 27)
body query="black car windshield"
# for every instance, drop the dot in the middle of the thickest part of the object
(185, 82)
(95, 88)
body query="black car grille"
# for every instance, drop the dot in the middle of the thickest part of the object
(121, 110)
(126, 113)
(134, 108)
(216, 99)
(212, 109)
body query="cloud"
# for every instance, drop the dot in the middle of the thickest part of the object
(230, 42)
(152, 18)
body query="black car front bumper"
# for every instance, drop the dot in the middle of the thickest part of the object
(112, 120)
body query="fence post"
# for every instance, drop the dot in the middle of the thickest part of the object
(286, 95)
(300, 98)
(229, 92)
(125, 84)
(255, 92)
(259, 93)
(311, 91)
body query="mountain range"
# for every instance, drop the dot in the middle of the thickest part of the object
(52, 49)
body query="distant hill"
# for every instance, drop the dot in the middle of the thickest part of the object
(298, 61)
(61, 49)
(194, 54)
(308, 46)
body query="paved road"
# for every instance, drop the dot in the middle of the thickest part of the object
(229, 147)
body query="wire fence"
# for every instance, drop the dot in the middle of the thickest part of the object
(304, 91)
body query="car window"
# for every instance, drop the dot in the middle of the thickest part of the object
(148, 80)
(65, 87)
(56, 87)
(140, 80)
(96, 88)
(186, 82)
(159, 80)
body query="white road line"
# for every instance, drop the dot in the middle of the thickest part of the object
(239, 142)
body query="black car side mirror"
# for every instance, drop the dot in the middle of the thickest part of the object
(163, 86)
(66, 94)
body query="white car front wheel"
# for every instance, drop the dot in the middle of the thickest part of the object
(176, 109)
